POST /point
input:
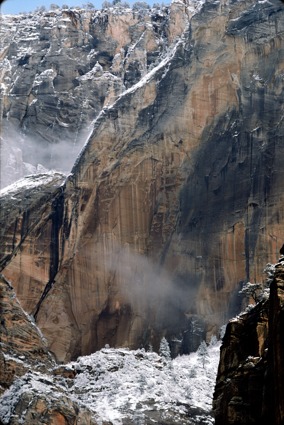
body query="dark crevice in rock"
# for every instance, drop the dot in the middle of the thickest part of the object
(57, 215)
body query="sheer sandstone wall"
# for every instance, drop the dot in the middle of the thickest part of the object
(182, 175)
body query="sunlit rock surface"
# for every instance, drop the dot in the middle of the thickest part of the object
(175, 200)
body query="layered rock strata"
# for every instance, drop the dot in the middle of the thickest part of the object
(24, 354)
(249, 387)
(176, 198)
(22, 345)
(60, 68)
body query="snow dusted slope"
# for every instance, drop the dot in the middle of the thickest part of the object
(120, 386)
(111, 386)
(59, 68)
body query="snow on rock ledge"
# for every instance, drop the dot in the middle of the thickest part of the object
(120, 386)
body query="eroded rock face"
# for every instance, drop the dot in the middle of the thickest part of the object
(22, 345)
(61, 64)
(243, 363)
(26, 369)
(276, 353)
(249, 388)
(176, 198)
(42, 403)
(58, 70)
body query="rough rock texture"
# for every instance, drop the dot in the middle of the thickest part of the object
(35, 201)
(24, 353)
(239, 393)
(115, 387)
(22, 345)
(249, 388)
(59, 68)
(175, 200)
(37, 400)
(276, 353)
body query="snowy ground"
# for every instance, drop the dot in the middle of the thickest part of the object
(120, 386)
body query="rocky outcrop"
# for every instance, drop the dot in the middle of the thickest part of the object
(37, 399)
(59, 68)
(111, 386)
(239, 395)
(22, 344)
(26, 369)
(116, 386)
(276, 346)
(34, 210)
(249, 388)
(175, 199)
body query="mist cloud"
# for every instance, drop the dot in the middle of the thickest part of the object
(21, 155)
(148, 287)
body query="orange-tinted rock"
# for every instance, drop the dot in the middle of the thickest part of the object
(181, 175)
(22, 345)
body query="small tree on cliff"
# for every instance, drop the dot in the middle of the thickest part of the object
(40, 9)
(164, 349)
(54, 6)
(202, 353)
(258, 291)
(140, 5)
(251, 290)
(106, 4)
(88, 6)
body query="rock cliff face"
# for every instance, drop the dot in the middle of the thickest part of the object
(60, 68)
(21, 343)
(176, 198)
(24, 354)
(249, 387)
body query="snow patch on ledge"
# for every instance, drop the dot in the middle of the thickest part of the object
(33, 181)
(121, 384)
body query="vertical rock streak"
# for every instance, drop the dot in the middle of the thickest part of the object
(57, 212)
(183, 169)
